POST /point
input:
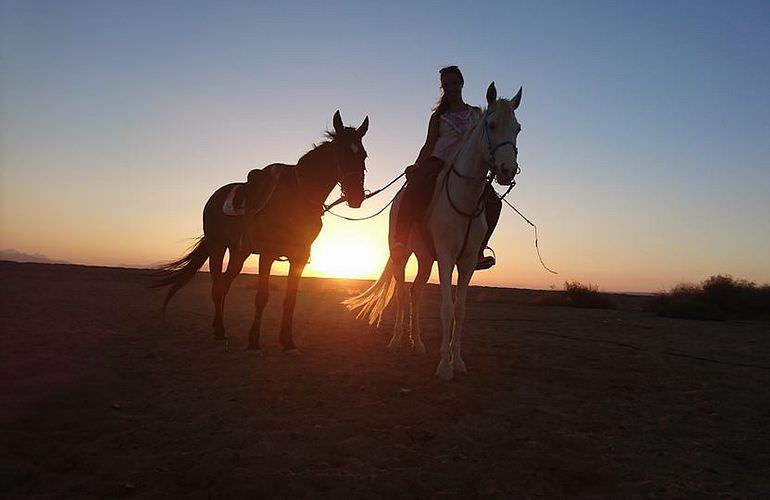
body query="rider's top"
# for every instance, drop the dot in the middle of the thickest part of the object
(452, 127)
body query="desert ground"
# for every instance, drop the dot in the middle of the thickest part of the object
(100, 396)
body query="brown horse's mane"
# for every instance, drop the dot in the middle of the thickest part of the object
(330, 135)
(313, 153)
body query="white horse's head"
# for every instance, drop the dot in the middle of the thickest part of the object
(501, 128)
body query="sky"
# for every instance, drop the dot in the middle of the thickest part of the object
(644, 151)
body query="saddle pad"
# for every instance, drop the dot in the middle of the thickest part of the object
(228, 208)
(266, 181)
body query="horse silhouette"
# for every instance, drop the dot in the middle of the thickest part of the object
(284, 223)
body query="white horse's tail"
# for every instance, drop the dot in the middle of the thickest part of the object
(375, 299)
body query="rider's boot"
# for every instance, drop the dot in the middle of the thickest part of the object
(485, 262)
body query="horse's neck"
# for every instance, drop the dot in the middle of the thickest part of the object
(317, 174)
(469, 162)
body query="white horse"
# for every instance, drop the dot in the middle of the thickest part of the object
(456, 225)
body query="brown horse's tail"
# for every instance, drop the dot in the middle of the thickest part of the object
(178, 273)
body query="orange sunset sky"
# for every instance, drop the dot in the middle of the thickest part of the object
(644, 150)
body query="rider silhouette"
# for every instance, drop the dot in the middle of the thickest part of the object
(451, 118)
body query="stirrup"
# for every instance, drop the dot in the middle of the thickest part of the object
(485, 262)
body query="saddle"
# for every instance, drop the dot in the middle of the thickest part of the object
(252, 196)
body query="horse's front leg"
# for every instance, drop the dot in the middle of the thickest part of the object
(296, 266)
(445, 268)
(260, 301)
(464, 273)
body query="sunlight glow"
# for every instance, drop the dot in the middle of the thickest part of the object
(347, 257)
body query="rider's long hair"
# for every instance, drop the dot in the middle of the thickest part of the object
(443, 103)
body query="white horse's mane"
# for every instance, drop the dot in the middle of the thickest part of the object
(507, 115)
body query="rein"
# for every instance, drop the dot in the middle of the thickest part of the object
(488, 181)
(469, 215)
(479, 205)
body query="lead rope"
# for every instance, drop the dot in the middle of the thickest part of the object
(327, 208)
(368, 216)
(537, 248)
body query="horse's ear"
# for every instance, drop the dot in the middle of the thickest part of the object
(516, 99)
(363, 128)
(491, 95)
(337, 122)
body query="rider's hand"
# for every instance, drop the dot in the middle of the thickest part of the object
(410, 170)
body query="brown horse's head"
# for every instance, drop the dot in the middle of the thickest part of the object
(351, 156)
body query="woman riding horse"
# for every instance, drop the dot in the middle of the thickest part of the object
(450, 120)
(453, 235)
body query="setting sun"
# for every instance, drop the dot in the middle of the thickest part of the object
(346, 256)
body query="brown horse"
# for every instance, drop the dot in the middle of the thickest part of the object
(285, 226)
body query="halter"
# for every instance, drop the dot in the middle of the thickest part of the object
(341, 176)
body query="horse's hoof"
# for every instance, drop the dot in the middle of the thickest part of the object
(444, 371)
(255, 348)
(220, 335)
(419, 347)
(458, 365)
(394, 344)
(292, 351)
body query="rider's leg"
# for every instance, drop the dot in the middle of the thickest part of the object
(493, 208)
(416, 198)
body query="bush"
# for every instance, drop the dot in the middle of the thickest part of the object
(689, 309)
(716, 298)
(576, 294)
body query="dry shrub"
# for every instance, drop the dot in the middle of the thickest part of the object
(576, 294)
(717, 298)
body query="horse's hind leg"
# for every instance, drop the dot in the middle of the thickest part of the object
(234, 267)
(296, 266)
(398, 326)
(216, 256)
(260, 300)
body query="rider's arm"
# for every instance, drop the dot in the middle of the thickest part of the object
(430, 140)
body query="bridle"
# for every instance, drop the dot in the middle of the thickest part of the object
(492, 149)
(342, 175)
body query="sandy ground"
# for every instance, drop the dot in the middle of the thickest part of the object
(101, 398)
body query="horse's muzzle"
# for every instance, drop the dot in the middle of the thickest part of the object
(505, 176)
